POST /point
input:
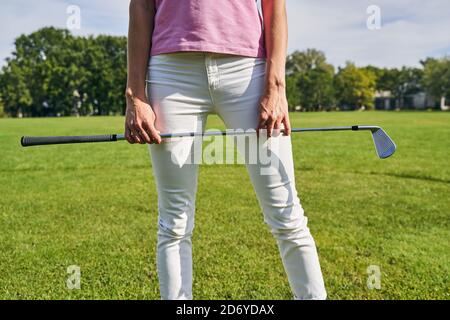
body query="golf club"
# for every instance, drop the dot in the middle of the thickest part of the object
(384, 145)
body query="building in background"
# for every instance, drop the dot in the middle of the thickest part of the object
(385, 100)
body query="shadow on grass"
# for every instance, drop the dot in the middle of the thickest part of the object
(408, 176)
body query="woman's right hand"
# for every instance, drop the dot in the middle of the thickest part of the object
(140, 121)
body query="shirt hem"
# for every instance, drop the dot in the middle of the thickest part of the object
(254, 53)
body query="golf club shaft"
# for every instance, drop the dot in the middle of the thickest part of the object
(36, 141)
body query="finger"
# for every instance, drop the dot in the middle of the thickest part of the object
(135, 134)
(152, 132)
(262, 123)
(136, 137)
(156, 136)
(127, 133)
(141, 134)
(277, 126)
(146, 128)
(128, 136)
(287, 126)
(145, 137)
(270, 124)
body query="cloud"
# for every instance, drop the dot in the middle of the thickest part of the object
(411, 29)
(20, 16)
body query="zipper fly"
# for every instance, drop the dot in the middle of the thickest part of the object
(212, 71)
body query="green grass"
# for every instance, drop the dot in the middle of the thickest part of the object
(95, 207)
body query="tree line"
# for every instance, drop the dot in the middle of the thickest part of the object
(53, 73)
(313, 84)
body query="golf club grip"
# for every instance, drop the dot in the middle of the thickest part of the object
(38, 141)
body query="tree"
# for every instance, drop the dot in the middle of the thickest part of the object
(14, 92)
(355, 87)
(52, 72)
(436, 79)
(292, 91)
(108, 66)
(2, 109)
(310, 80)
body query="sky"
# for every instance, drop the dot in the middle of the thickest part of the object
(409, 30)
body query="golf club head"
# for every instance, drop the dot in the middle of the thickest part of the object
(383, 143)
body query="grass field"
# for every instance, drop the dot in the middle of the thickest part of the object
(94, 206)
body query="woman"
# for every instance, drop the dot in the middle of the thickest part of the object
(214, 57)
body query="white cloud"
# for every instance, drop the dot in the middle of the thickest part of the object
(20, 16)
(412, 29)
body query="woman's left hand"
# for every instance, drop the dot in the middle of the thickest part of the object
(273, 111)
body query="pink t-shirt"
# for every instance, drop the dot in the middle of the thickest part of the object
(219, 26)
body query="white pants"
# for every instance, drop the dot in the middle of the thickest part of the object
(183, 89)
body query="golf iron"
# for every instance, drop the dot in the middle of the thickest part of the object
(384, 145)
